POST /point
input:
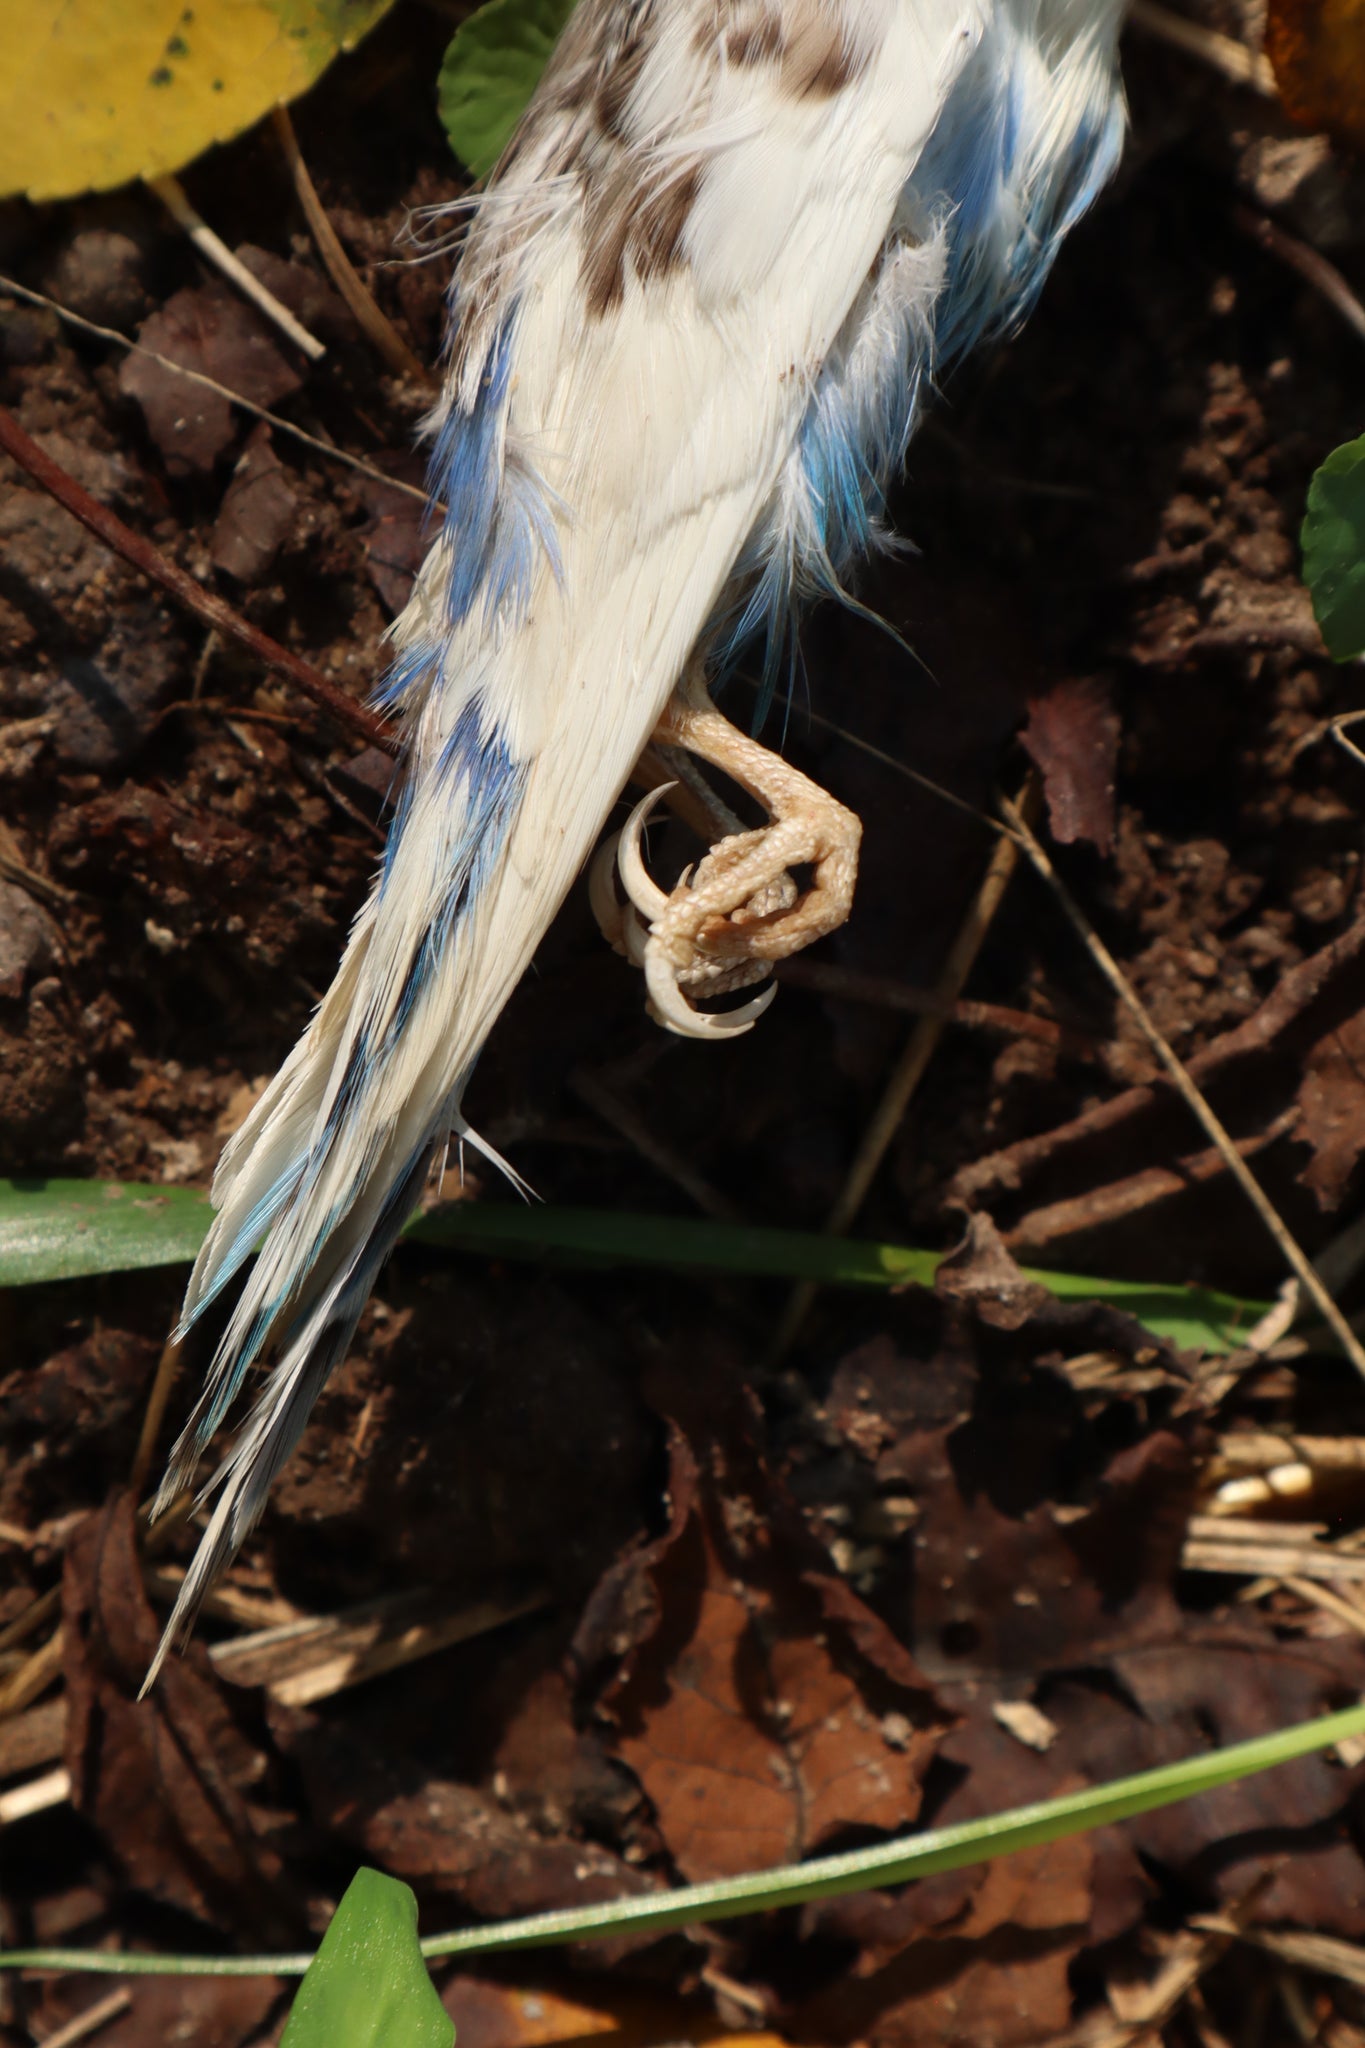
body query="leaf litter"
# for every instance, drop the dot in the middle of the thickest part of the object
(937, 1563)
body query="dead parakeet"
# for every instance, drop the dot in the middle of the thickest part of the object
(727, 251)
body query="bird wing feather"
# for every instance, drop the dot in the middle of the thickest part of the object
(650, 290)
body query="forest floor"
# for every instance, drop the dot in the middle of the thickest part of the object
(723, 1603)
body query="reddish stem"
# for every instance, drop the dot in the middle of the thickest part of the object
(212, 610)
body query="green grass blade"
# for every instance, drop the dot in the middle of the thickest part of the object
(67, 1229)
(824, 1877)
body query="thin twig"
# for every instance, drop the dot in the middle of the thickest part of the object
(1298, 987)
(143, 556)
(375, 323)
(33, 1677)
(13, 868)
(90, 2021)
(176, 201)
(1189, 1093)
(35, 1796)
(167, 1367)
(1322, 275)
(909, 1069)
(621, 1118)
(274, 420)
(31, 1620)
(1119, 1199)
(879, 991)
(1224, 54)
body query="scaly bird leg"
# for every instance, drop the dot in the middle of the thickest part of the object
(739, 911)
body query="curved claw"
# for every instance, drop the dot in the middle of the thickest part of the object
(649, 899)
(634, 936)
(676, 1014)
(611, 918)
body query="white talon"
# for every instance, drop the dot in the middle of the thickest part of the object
(676, 1014)
(611, 918)
(649, 899)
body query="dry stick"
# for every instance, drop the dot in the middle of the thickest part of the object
(36, 1795)
(39, 1610)
(1322, 275)
(909, 1069)
(1224, 54)
(343, 273)
(167, 1367)
(15, 869)
(176, 201)
(133, 548)
(259, 412)
(879, 991)
(621, 1118)
(1296, 989)
(33, 1677)
(90, 2021)
(1186, 1088)
(1119, 1199)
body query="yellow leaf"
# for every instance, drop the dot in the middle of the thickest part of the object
(95, 92)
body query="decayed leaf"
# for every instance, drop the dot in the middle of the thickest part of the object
(210, 329)
(1072, 735)
(258, 512)
(1332, 1110)
(1318, 50)
(168, 1781)
(755, 1732)
(92, 95)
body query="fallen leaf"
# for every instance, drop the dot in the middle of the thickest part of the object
(257, 514)
(211, 329)
(1072, 736)
(398, 533)
(210, 2012)
(1317, 48)
(753, 1724)
(1332, 1110)
(441, 1836)
(94, 95)
(171, 1782)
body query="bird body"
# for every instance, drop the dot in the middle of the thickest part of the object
(727, 249)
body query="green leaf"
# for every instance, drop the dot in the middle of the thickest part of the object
(367, 1986)
(1334, 549)
(65, 1229)
(491, 68)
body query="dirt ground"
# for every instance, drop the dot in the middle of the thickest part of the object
(947, 1551)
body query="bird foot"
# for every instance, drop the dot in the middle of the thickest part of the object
(739, 910)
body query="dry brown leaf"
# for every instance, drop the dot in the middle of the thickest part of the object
(1072, 736)
(258, 512)
(1318, 50)
(211, 330)
(1332, 1108)
(753, 1733)
(171, 1782)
